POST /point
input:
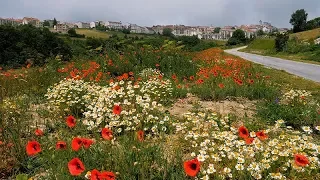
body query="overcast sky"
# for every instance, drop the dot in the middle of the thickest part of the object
(153, 12)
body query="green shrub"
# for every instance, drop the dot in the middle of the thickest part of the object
(281, 41)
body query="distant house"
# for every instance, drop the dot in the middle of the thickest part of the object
(33, 21)
(82, 25)
(114, 25)
(226, 32)
(11, 21)
(96, 23)
(62, 27)
(283, 30)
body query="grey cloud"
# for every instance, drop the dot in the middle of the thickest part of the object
(151, 12)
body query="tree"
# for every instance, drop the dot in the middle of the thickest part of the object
(238, 37)
(46, 24)
(281, 41)
(217, 30)
(55, 22)
(72, 33)
(313, 24)
(260, 32)
(299, 20)
(167, 32)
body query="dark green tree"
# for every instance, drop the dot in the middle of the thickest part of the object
(167, 32)
(299, 20)
(313, 24)
(260, 32)
(55, 22)
(238, 37)
(217, 30)
(46, 24)
(72, 33)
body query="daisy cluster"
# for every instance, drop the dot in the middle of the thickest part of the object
(221, 148)
(292, 96)
(121, 105)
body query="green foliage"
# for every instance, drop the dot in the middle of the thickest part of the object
(189, 41)
(72, 33)
(167, 32)
(203, 45)
(46, 24)
(217, 30)
(295, 115)
(299, 20)
(126, 31)
(260, 32)
(313, 24)
(55, 22)
(238, 37)
(281, 41)
(262, 44)
(22, 43)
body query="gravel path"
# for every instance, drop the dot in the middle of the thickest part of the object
(305, 70)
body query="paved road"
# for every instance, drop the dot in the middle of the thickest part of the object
(305, 70)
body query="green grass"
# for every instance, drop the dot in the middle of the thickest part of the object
(262, 44)
(93, 33)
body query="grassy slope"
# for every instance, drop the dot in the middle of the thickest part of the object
(266, 47)
(93, 33)
(307, 35)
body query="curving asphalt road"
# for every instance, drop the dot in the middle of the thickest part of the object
(305, 70)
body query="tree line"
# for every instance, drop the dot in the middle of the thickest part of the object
(26, 44)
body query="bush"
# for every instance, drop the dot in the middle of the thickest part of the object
(281, 41)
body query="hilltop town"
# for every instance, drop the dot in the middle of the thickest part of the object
(202, 32)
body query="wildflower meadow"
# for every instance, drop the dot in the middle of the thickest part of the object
(108, 117)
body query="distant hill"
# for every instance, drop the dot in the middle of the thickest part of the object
(307, 35)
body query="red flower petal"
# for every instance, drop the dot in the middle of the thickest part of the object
(75, 167)
(33, 148)
(192, 167)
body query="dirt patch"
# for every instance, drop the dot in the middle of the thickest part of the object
(240, 107)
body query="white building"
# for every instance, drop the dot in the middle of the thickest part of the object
(114, 25)
(81, 25)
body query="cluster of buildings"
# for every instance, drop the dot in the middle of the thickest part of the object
(202, 32)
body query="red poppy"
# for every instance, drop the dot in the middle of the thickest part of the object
(243, 132)
(87, 142)
(116, 109)
(61, 145)
(140, 135)
(221, 85)
(250, 81)
(33, 148)
(192, 167)
(174, 77)
(261, 135)
(71, 121)
(191, 78)
(95, 175)
(200, 81)
(157, 65)
(38, 132)
(106, 133)
(107, 175)
(301, 160)
(249, 140)
(76, 167)
(76, 143)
